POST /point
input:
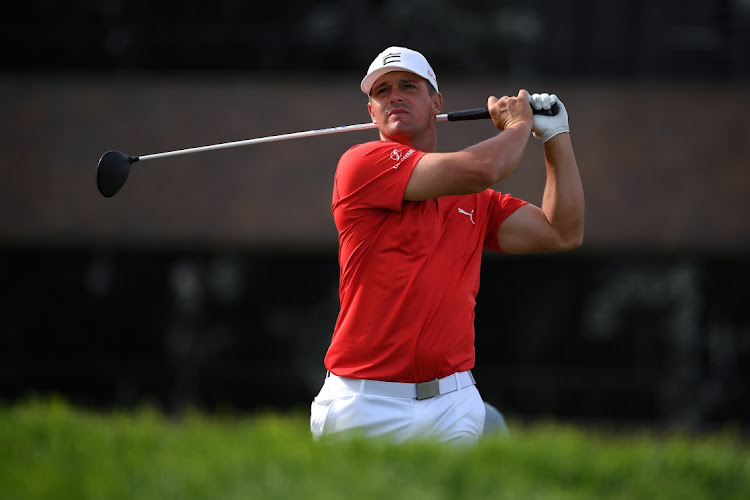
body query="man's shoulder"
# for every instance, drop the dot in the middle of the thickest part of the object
(366, 148)
(362, 148)
(377, 155)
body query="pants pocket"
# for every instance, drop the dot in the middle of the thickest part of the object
(318, 414)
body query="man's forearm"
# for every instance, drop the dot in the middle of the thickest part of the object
(502, 153)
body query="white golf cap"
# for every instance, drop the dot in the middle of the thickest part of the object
(398, 59)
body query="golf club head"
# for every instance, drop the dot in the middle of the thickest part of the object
(112, 172)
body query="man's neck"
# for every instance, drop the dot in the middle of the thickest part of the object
(425, 142)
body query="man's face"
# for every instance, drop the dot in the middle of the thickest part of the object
(402, 106)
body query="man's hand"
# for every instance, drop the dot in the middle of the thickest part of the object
(509, 112)
(546, 127)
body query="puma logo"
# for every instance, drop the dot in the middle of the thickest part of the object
(471, 215)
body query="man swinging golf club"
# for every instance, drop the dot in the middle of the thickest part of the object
(412, 226)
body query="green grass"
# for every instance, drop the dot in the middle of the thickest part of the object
(52, 450)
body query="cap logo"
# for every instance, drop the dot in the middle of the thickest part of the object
(391, 58)
(397, 59)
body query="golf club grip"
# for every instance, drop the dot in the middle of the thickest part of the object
(484, 113)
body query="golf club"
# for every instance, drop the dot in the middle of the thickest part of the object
(114, 166)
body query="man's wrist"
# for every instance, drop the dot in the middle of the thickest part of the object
(523, 127)
(557, 142)
(551, 134)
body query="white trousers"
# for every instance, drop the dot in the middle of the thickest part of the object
(342, 410)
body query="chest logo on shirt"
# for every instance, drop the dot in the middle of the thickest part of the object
(399, 157)
(471, 215)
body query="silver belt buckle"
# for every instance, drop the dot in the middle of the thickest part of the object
(427, 390)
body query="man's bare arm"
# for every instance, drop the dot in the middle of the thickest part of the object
(478, 167)
(558, 225)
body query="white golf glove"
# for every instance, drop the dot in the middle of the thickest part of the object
(546, 127)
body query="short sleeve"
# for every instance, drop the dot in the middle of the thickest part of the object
(500, 208)
(374, 175)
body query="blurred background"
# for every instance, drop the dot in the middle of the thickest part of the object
(210, 280)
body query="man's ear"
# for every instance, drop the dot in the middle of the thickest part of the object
(369, 110)
(437, 102)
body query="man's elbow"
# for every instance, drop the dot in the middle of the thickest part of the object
(576, 242)
(573, 240)
(480, 177)
(492, 172)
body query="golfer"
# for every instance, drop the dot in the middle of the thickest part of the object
(412, 225)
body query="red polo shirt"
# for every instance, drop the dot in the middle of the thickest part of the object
(409, 271)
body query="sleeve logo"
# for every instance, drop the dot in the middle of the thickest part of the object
(399, 157)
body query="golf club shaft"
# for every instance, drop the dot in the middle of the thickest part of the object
(469, 114)
(259, 140)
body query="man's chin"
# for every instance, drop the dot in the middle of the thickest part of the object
(398, 136)
(400, 127)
